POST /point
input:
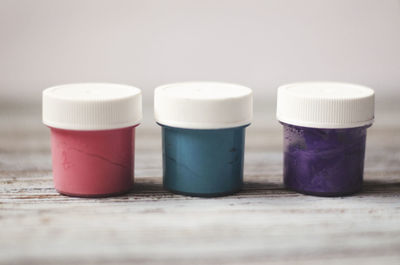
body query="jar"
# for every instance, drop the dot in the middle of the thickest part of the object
(203, 136)
(325, 126)
(92, 129)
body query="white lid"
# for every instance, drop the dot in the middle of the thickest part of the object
(325, 105)
(92, 106)
(203, 105)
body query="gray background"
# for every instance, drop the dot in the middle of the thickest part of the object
(147, 43)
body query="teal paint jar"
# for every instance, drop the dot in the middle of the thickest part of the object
(203, 136)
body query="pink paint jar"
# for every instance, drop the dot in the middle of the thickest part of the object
(92, 137)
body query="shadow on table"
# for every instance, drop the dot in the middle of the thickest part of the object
(380, 188)
(250, 188)
(253, 188)
(149, 188)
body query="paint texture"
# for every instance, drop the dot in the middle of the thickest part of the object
(324, 162)
(203, 163)
(93, 163)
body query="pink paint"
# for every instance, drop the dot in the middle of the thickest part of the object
(93, 163)
(92, 137)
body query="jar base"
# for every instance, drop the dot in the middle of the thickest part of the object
(203, 195)
(324, 194)
(103, 195)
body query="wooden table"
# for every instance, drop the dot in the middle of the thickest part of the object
(262, 224)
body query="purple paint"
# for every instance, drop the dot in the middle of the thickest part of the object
(324, 162)
(325, 128)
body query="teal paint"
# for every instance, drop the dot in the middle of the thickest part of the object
(203, 162)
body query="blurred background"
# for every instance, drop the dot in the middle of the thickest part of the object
(146, 43)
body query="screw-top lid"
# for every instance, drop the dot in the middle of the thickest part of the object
(325, 105)
(92, 106)
(203, 105)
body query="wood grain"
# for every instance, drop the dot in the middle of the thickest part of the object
(263, 224)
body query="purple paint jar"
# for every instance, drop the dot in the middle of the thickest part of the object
(325, 127)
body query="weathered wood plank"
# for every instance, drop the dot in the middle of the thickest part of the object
(262, 224)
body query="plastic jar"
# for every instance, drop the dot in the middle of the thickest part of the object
(203, 136)
(92, 137)
(325, 126)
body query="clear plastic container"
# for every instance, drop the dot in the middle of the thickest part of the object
(92, 137)
(326, 162)
(203, 136)
(205, 163)
(325, 127)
